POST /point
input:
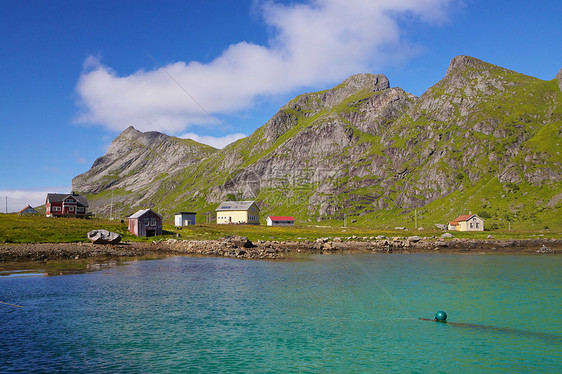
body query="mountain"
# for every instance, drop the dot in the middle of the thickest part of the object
(483, 139)
(137, 166)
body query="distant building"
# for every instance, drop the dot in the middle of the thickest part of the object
(184, 219)
(467, 222)
(280, 221)
(66, 205)
(27, 210)
(238, 212)
(145, 223)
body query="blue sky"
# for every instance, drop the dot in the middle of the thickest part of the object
(75, 73)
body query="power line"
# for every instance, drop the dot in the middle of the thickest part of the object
(185, 90)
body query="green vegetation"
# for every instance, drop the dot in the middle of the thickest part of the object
(38, 229)
(41, 229)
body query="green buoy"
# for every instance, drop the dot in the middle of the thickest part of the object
(440, 316)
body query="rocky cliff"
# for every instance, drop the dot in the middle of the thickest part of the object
(138, 163)
(479, 139)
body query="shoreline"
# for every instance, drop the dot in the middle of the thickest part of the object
(242, 248)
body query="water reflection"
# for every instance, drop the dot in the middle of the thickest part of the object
(553, 338)
(65, 267)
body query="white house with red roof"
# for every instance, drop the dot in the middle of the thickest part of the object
(467, 222)
(280, 221)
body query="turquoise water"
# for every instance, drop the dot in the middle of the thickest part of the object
(319, 314)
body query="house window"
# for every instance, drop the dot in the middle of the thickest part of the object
(153, 222)
(471, 225)
(56, 209)
(476, 224)
(80, 209)
(71, 208)
(146, 221)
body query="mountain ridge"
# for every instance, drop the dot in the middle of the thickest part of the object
(364, 149)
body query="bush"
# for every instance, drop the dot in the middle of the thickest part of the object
(493, 226)
(484, 214)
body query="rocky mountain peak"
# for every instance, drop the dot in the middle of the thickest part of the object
(461, 63)
(559, 79)
(352, 85)
(318, 101)
(370, 82)
(149, 138)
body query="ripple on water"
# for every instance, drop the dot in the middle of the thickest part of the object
(331, 314)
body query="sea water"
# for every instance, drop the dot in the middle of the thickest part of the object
(351, 313)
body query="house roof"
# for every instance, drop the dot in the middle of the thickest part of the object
(26, 208)
(142, 212)
(281, 218)
(236, 205)
(59, 197)
(461, 218)
(180, 213)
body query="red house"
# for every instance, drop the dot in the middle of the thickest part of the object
(66, 205)
(145, 223)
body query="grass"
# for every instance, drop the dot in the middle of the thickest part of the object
(40, 229)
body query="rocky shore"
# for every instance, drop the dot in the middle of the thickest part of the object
(241, 247)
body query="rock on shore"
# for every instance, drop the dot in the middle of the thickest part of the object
(243, 248)
(104, 237)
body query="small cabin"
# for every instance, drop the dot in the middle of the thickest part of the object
(184, 219)
(467, 222)
(27, 210)
(238, 212)
(145, 223)
(280, 221)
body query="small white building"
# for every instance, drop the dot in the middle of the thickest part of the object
(467, 222)
(184, 219)
(280, 221)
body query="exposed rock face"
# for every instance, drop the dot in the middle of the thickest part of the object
(559, 79)
(355, 149)
(104, 237)
(138, 161)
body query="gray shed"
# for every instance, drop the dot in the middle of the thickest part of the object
(184, 219)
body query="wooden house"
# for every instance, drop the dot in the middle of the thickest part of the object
(184, 219)
(145, 223)
(27, 210)
(238, 212)
(66, 205)
(280, 221)
(467, 222)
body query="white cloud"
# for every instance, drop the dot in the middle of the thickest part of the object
(313, 42)
(19, 199)
(217, 142)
